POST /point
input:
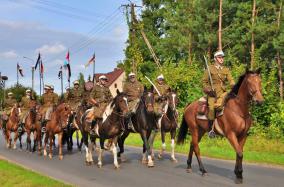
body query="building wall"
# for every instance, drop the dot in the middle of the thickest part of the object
(119, 83)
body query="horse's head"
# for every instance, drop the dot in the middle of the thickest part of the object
(64, 111)
(121, 103)
(173, 100)
(148, 99)
(253, 83)
(15, 111)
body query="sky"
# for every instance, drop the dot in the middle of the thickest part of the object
(53, 27)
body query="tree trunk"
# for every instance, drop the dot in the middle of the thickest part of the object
(220, 26)
(252, 34)
(279, 63)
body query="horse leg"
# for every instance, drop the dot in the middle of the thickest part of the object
(120, 143)
(237, 144)
(16, 134)
(102, 142)
(114, 152)
(45, 143)
(60, 145)
(8, 139)
(39, 142)
(173, 135)
(29, 141)
(150, 151)
(196, 137)
(91, 150)
(51, 142)
(85, 138)
(163, 133)
(145, 144)
(35, 141)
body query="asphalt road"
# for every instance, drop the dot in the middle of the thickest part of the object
(72, 169)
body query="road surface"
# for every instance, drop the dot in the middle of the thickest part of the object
(72, 169)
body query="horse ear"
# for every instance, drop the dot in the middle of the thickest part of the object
(258, 71)
(117, 91)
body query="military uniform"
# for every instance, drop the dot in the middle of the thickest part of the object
(25, 106)
(75, 98)
(48, 102)
(9, 103)
(221, 76)
(102, 95)
(164, 90)
(134, 91)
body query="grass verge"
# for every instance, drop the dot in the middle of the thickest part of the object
(256, 150)
(14, 175)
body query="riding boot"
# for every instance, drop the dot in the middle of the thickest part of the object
(211, 133)
(94, 128)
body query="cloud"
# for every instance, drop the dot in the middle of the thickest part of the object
(51, 49)
(8, 54)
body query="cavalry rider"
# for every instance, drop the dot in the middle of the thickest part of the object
(164, 90)
(25, 106)
(221, 77)
(100, 97)
(134, 90)
(48, 103)
(75, 96)
(8, 104)
(54, 95)
(66, 94)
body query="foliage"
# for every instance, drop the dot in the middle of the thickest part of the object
(182, 31)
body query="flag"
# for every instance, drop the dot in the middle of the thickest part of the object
(60, 73)
(41, 69)
(38, 61)
(20, 70)
(67, 65)
(92, 60)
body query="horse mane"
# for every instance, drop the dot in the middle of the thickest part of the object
(234, 91)
(115, 98)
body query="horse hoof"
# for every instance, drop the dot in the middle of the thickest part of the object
(60, 157)
(116, 166)
(123, 159)
(150, 164)
(39, 153)
(238, 181)
(87, 163)
(174, 160)
(144, 161)
(204, 174)
(160, 156)
(189, 170)
(99, 165)
(50, 156)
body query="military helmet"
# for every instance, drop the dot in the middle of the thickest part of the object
(160, 77)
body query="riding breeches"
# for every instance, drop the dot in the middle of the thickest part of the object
(215, 103)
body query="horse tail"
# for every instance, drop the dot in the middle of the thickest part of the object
(182, 131)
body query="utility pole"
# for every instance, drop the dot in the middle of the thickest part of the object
(133, 26)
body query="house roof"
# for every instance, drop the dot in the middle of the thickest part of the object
(112, 76)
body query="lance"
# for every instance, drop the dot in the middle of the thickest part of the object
(209, 73)
(153, 85)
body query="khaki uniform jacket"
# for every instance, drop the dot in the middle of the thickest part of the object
(9, 104)
(163, 89)
(25, 103)
(220, 77)
(49, 99)
(133, 90)
(103, 97)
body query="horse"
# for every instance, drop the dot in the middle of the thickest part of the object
(169, 124)
(32, 125)
(12, 125)
(234, 124)
(110, 128)
(56, 125)
(146, 124)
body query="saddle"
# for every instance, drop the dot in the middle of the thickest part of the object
(202, 113)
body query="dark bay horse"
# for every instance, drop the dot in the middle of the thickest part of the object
(146, 124)
(234, 123)
(12, 125)
(33, 125)
(56, 125)
(169, 124)
(110, 128)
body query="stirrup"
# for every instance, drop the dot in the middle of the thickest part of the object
(211, 134)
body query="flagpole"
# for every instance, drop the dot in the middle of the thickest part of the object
(61, 69)
(39, 80)
(17, 74)
(94, 76)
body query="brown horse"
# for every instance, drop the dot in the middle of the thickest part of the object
(32, 125)
(58, 122)
(12, 126)
(233, 124)
(169, 124)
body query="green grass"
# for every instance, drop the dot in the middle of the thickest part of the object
(14, 175)
(256, 150)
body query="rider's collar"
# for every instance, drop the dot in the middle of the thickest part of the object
(218, 66)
